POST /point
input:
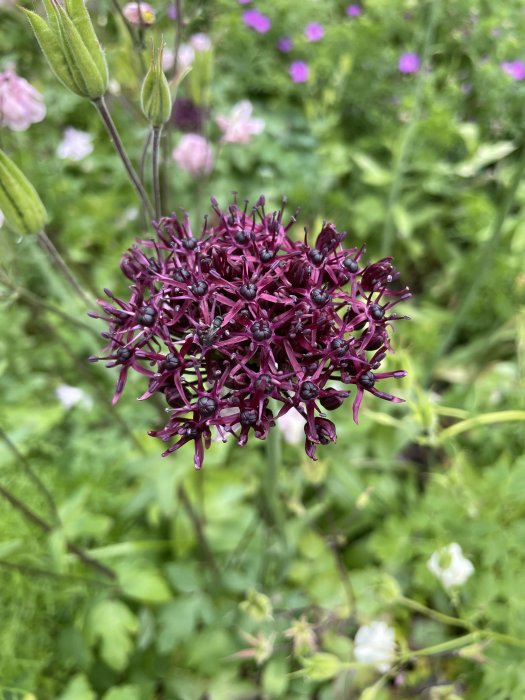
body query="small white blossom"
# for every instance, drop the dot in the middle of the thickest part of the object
(185, 57)
(292, 427)
(375, 644)
(450, 566)
(168, 59)
(200, 42)
(1, 218)
(239, 126)
(70, 396)
(75, 144)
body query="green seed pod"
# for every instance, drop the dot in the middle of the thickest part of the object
(155, 97)
(69, 43)
(19, 201)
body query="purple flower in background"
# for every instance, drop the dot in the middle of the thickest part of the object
(516, 69)
(285, 44)
(409, 63)
(244, 2)
(172, 12)
(299, 72)
(314, 31)
(353, 10)
(256, 20)
(220, 323)
(20, 103)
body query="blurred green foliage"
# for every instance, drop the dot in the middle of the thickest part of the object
(206, 599)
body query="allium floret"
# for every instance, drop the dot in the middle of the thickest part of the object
(240, 325)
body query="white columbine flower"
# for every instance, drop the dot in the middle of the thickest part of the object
(75, 144)
(239, 126)
(375, 644)
(70, 396)
(291, 426)
(450, 566)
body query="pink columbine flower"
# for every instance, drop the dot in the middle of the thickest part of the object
(256, 20)
(299, 72)
(285, 44)
(139, 13)
(409, 63)
(314, 31)
(75, 144)
(353, 10)
(194, 155)
(20, 103)
(239, 127)
(516, 69)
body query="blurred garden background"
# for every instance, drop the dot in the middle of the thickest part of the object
(399, 569)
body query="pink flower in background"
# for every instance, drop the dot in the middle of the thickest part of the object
(516, 69)
(239, 127)
(139, 13)
(75, 144)
(168, 59)
(353, 10)
(299, 72)
(200, 42)
(314, 31)
(244, 2)
(285, 44)
(409, 63)
(172, 12)
(20, 103)
(256, 20)
(194, 154)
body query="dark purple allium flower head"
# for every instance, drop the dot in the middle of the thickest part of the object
(242, 319)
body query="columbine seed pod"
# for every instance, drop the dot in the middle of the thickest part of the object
(155, 97)
(19, 201)
(70, 46)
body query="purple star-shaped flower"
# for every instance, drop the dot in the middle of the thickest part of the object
(299, 72)
(257, 21)
(314, 31)
(409, 63)
(516, 69)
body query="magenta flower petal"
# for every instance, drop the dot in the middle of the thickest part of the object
(314, 31)
(353, 10)
(257, 21)
(285, 44)
(516, 69)
(299, 71)
(409, 63)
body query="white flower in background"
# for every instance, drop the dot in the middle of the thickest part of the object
(200, 42)
(168, 59)
(1, 218)
(450, 566)
(239, 127)
(194, 154)
(70, 396)
(75, 144)
(185, 57)
(292, 427)
(375, 644)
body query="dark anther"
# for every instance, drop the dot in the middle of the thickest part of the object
(339, 345)
(231, 220)
(206, 263)
(367, 380)
(316, 256)
(248, 291)
(377, 312)
(248, 416)
(350, 264)
(375, 342)
(171, 361)
(331, 402)
(264, 381)
(308, 391)
(206, 406)
(261, 330)
(217, 321)
(146, 316)
(266, 255)
(319, 297)
(189, 243)
(181, 274)
(199, 288)
(153, 265)
(123, 354)
(241, 236)
(189, 432)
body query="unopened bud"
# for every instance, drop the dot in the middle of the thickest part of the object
(155, 98)
(23, 210)
(70, 46)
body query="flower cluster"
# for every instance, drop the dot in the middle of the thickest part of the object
(20, 103)
(244, 318)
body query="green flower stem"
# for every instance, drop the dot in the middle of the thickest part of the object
(49, 248)
(101, 107)
(157, 130)
(199, 533)
(485, 260)
(442, 648)
(410, 131)
(270, 479)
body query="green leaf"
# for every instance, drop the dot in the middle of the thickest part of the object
(146, 585)
(123, 692)
(78, 689)
(112, 623)
(322, 666)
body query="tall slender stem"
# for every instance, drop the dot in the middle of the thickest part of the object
(410, 131)
(49, 248)
(199, 532)
(103, 111)
(270, 478)
(157, 130)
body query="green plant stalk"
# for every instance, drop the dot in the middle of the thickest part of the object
(442, 648)
(49, 248)
(484, 261)
(410, 132)
(270, 479)
(157, 130)
(101, 107)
